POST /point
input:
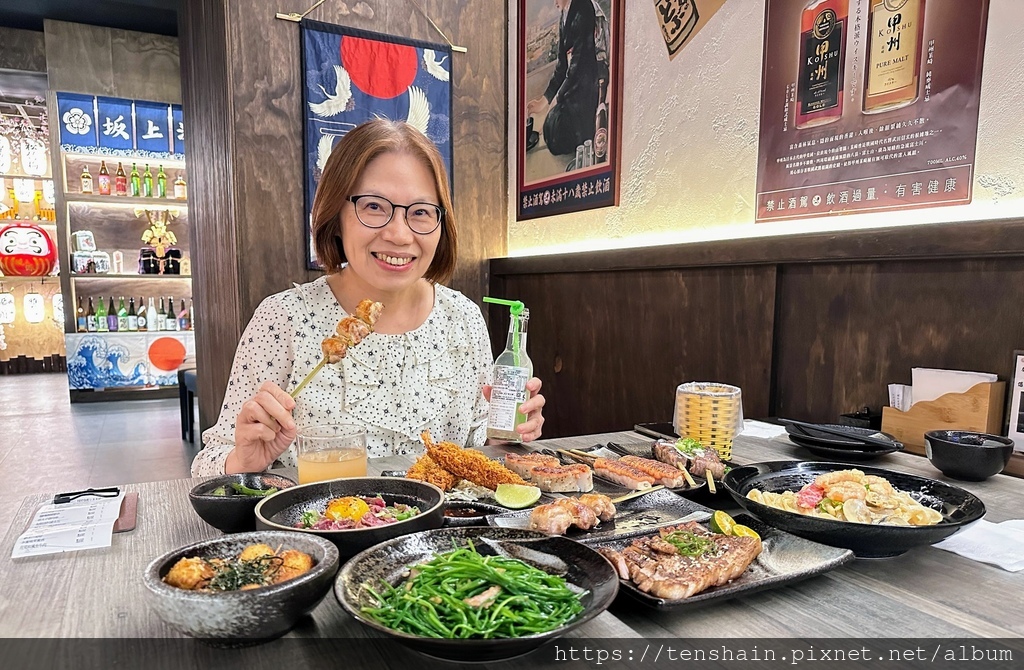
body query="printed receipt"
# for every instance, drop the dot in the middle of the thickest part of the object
(84, 523)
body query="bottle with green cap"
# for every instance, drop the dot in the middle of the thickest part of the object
(512, 369)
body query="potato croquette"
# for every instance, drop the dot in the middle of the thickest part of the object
(254, 551)
(189, 574)
(293, 564)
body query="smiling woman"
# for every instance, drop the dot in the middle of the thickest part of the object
(383, 229)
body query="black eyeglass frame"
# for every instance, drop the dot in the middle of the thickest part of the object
(354, 199)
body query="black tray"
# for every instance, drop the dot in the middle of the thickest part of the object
(842, 454)
(634, 517)
(785, 559)
(610, 488)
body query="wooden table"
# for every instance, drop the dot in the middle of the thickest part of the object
(924, 593)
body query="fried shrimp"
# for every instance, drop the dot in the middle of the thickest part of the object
(469, 464)
(426, 470)
(846, 490)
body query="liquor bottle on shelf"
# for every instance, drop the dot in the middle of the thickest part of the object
(133, 318)
(184, 320)
(180, 189)
(147, 183)
(102, 323)
(120, 181)
(103, 180)
(191, 316)
(161, 182)
(81, 321)
(90, 317)
(122, 316)
(172, 318)
(143, 316)
(161, 318)
(601, 125)
(892, 72)
(134, 182)
(112, 317)
(86, 180)
(820, 70)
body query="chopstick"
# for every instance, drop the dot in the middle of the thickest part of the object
(636, 494)
(840, 433)
(577, 455)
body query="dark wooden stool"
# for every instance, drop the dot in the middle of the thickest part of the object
(187, 390)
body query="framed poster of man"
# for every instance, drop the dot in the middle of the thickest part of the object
(569, 107)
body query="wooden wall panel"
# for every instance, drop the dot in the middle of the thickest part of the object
(22, 50)
(611, 347)
(243, 101)
(846, 331)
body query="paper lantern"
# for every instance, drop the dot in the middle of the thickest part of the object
(24, 189)
(33, 156)
(58, 307)
(35, 307)
(26, 250)
(6, 307)
(5, 155)
(48, 192)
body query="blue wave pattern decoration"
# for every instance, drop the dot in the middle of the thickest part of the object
(97, 363)
(351, 76)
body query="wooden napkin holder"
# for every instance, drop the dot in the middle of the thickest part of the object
(980, 408)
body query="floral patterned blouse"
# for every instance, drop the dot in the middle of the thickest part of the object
(396, 386)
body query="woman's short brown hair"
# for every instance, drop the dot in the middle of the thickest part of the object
(345, 166)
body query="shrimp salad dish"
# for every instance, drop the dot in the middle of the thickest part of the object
(354, 512)
(851, 495)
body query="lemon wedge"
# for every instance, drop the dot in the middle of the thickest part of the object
(516, 496)
(722, 523)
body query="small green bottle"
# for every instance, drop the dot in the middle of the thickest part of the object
(134, 182)
(147, 183)
(161, 182)
(512, 369)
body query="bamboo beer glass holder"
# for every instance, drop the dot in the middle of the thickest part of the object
(709, 412)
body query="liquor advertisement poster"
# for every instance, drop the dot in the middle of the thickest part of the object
(569, 108)
(682, 19)
(351, 76)
(868, 105)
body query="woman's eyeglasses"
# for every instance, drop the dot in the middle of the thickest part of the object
(374, 211)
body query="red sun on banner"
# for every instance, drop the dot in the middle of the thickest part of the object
(166, 353)
(381, 69)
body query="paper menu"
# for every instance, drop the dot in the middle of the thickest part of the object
(85, 523)
(929, 383)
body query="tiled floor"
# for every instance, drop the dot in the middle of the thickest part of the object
(49, 445)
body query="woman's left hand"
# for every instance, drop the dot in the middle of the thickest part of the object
(533, 409)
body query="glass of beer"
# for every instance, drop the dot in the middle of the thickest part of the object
(331, 452)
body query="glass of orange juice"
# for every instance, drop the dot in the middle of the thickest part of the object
(331, 452)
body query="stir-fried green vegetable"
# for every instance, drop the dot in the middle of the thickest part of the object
(461, 594)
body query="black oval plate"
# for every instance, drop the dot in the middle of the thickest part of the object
(821, 438)
(869, 451)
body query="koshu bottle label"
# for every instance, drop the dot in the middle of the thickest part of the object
(507, 394)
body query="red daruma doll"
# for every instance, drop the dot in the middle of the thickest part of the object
(26, 250)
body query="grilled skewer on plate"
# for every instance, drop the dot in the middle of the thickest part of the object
(549, 475)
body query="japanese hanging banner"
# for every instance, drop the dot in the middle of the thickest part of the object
(151, 121)
(77, 121)
(120, 127)
(115, 123)
(351, 76)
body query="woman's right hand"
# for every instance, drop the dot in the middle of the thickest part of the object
(263, 430)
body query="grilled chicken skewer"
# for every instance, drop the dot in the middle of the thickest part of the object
(584, 512)
(350, 331)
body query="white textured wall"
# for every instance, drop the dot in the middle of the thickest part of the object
(690, 129)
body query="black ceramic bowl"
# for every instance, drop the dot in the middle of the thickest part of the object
(234, 513)
(465, 513)
(958, 507)
(283, 511)
(965, 454)
(242, 617)
(391, 561)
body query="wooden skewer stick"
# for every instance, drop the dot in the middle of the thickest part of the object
(312, 373)
(711, 481)
(686, 475)
(635, 494)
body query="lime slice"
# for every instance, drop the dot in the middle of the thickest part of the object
(516, 496)
(722, 523)
(739, 530)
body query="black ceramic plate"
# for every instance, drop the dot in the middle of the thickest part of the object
(958, 507)
(633, 517)
(608, 487)
(390, 561)
(784, 559)
(869, 451)
(824, 439)
(465, 513)
(283, 510)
